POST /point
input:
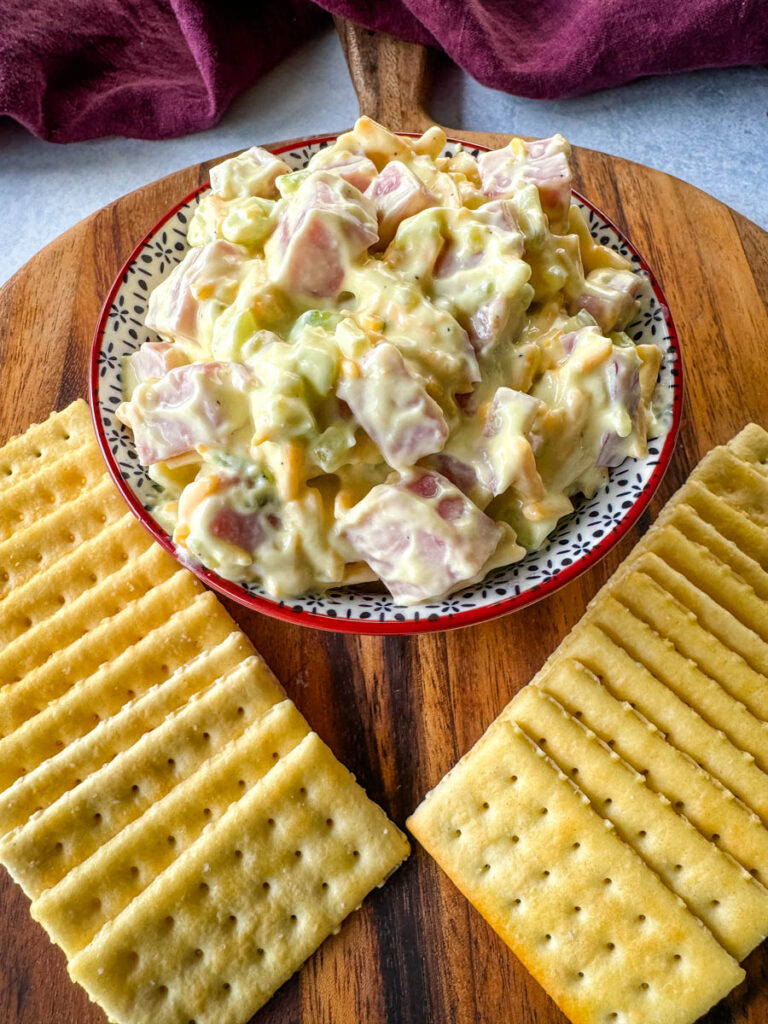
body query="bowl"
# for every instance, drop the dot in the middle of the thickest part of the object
(578, 542)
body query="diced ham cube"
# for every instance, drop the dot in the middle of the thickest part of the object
(543, 163)
(421, 536)
(393, 407)
(501, 214)
(610, 296)
(325, 225)
(479, 274)
(488, 322)
(202, 403)
(623, 384)
(353, 166)
(219, 523)
(155, 359)
(177, 307)
(506, 458)
(460, 473)
(397, 194)
(511, 412)
(252, 173)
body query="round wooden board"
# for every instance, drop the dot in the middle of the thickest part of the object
(400, 711)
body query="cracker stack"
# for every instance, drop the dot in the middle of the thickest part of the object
(611, 824)
(182, 834)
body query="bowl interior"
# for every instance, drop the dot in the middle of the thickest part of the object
(579, 540)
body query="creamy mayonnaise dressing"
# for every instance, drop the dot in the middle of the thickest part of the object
(391, 365)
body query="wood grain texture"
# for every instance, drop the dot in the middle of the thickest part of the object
(399, 711)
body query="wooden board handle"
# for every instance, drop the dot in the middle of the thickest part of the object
(389, 76)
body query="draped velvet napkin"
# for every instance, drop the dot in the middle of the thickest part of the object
(78, 69)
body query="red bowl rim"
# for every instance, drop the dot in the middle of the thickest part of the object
(432, 623)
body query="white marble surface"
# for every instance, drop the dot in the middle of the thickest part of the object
(707, 127)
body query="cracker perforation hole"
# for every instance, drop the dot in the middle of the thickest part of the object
(486, 805)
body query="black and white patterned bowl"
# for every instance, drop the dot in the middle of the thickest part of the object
(579, 541)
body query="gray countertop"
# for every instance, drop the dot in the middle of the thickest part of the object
(707, 127)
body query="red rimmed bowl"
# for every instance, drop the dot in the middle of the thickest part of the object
(579, 541)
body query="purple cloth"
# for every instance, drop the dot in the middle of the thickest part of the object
(78, 69)
(81, 69)
(547, 49)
